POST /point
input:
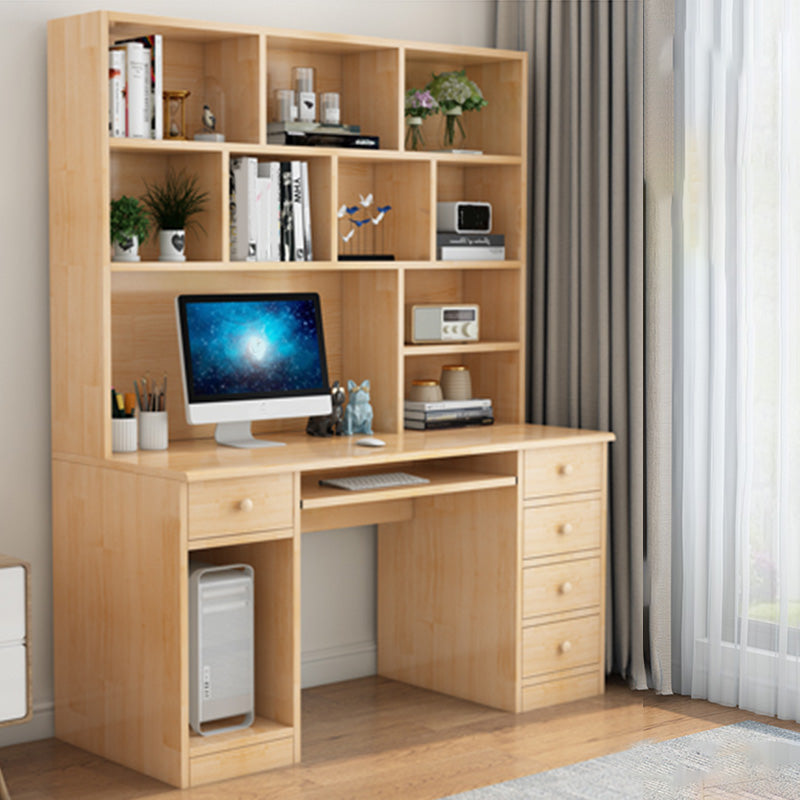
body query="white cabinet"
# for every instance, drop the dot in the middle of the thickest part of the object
(14, 692)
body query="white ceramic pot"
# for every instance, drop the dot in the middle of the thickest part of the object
(171, 245)
(127, 250)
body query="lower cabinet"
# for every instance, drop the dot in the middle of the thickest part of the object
(563, 575)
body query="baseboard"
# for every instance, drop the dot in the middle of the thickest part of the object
(40, 726)
(334, 664)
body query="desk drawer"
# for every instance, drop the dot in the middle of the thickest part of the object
(565, 586)
(563, 470)
(562, 528)
(561, 645)
(240, 505)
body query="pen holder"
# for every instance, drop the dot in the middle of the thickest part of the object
(123, 435)
(153, 430)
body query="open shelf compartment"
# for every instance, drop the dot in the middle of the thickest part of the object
(220, 67)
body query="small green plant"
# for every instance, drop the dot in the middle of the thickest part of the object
(174, 203)
(128, 218)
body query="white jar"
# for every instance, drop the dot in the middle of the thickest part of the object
(425, 391)
(456, 382)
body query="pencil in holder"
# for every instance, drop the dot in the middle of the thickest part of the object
(123, 434)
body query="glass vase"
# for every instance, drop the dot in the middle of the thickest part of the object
(454, 135)
(414, 139)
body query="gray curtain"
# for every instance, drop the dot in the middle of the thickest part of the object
(587, 286)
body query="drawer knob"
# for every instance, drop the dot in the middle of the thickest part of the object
(246, 504)
(566, 469)
(565, 587)
(565, 647)
(566, 528)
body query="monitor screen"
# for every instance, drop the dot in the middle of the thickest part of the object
(252, 356)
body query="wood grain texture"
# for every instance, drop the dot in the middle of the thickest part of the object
(447, 597)
(376, 738)
(121, 617)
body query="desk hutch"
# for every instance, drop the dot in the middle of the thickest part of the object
(490, 577)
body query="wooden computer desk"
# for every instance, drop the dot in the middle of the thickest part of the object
(490, 579)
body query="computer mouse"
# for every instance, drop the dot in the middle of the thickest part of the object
(371, 441)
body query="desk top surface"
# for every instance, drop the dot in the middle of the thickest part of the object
(203, 459)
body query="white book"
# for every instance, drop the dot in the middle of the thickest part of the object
(472, 253)
(449, 405)
(137, 69)
(272, 171)
(154, 46)
(262, 213)
(306, 209)
(243, 215)
(298, 224)
(116, 93)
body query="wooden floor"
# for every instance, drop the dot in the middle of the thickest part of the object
(374, 738)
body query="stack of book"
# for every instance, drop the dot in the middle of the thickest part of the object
(270, 212)
(315, 134)
(421, 416)
(135, 84)
(470, 246)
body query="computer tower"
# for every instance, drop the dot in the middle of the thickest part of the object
(221, 648)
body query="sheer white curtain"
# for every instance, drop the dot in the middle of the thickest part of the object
(738, 347)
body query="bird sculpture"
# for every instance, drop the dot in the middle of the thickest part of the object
(209, 120)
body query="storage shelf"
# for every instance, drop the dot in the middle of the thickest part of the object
(262, 730)
(452, 348)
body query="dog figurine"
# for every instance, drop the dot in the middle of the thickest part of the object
(329, 424)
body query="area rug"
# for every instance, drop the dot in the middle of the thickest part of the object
(746, 760)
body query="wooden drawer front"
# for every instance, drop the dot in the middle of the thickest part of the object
(565, 586)
(240, 505)
(226, 764)
(563, 470)
(563, 690)
(562, 528)
(561, 645)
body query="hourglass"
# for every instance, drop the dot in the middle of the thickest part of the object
(175, 114)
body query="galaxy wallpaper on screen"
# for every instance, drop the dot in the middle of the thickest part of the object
(253, 347)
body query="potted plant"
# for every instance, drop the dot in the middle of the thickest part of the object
(455, 93)
(173, 206)
(129, 226)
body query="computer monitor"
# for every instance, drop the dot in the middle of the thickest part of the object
(251, 357)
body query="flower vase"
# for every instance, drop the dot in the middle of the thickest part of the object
(414, 140)
(171, 245)
(454, 135)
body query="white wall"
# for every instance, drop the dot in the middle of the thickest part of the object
(342, 562)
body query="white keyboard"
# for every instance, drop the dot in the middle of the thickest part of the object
(383, 480)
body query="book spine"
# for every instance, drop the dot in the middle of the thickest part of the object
(306, 209)
(472, 253)
(430, 425)
(137, 67)
(242, 209)
(448, 405)
(464, 413)
(154, 46)
(262, 212)
(299, 249)
(287, 233)
(116, 93)
(470, 239)
(157, 67)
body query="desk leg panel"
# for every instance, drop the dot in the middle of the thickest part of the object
(447, 597)
(120, 618)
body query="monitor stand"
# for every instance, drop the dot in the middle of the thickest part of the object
(238, 434)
